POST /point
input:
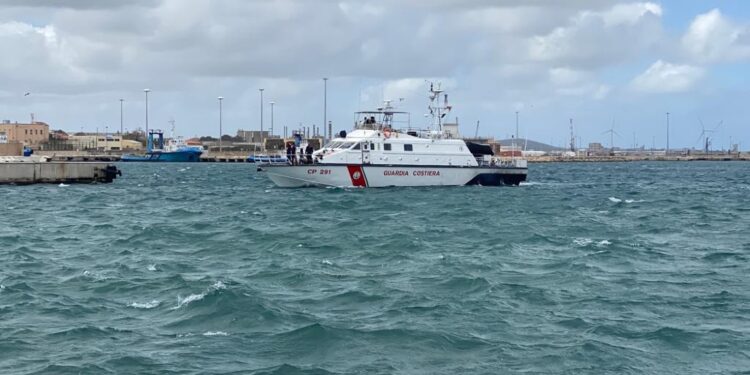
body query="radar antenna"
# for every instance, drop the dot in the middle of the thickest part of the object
(437, 109)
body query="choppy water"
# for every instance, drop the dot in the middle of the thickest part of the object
(588, 268)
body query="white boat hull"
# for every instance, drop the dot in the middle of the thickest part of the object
(357, 175)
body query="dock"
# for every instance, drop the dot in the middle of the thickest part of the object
(39, 170)
(115, 157)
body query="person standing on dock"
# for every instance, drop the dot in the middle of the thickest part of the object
(293, 151)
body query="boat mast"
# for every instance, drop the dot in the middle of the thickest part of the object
(438, 110)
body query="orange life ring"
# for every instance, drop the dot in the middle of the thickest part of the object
(387, 132)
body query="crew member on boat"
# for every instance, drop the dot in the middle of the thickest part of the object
(309, 151)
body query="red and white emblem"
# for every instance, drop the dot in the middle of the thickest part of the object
(357, 175)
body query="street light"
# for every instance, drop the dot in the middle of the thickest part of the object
(325, 107)
(666, 152)
(261, 119)
(220, 131)
(272, 103)
(146, 91)
(121, 101)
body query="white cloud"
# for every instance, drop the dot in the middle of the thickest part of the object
(663, 77)
(630, 14)
(713, 38)
(598, 38)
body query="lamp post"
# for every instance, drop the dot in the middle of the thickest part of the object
(261, 119)
(666, 152)
(272, 103)
(220, 131)
(146, 91)
(325, 107)
(121, 101)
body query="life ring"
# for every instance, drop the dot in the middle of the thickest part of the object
(387, 132)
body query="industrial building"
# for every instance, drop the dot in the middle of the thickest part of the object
(32, 134)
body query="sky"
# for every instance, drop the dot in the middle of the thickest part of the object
(606, 64)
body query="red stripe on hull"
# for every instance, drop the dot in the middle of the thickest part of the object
(357, 175)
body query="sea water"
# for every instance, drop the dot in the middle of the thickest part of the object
(209, 268)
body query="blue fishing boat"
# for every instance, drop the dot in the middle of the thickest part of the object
(175, 150)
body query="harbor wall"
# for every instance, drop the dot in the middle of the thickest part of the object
(55, 172)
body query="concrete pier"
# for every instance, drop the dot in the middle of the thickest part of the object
(22, 171)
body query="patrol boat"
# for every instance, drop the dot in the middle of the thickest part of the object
(377, 154)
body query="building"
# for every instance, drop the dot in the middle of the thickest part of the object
(596, 149)
(452, 130)
(59, 135)
(27, 134)
(253, 136)
(101, 142)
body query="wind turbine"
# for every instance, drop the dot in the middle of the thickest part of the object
(612, 133)
(704, 138)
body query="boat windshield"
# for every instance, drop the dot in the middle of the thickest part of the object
(340, 145)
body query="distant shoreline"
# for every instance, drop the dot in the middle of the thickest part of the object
(239, 157)
(609, 159)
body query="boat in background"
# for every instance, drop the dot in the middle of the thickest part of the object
(175, 150)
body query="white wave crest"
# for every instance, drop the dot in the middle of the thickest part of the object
(603, 243)
(144, 305)
(96, 276)
(215, 333)
(62, 185)
(583, 241)
(191, 298)
(633, 201)
(197, 297)
(615, 200)
(151, 267)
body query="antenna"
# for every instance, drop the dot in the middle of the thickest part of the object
(171, 122)
(572, 137)
(438, 110)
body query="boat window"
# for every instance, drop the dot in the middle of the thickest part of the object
(386, 147)
(356, 147)
(365, 146)
(372, 146)
(346, 145)
(408, 148)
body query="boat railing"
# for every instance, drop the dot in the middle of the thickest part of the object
(492, 162)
